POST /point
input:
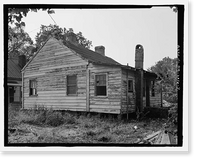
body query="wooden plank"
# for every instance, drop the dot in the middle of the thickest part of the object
(165, 139)
(104, 107)
(113, 111)
(64, 66)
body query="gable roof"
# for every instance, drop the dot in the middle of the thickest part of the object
(92, 56)
(13, 69)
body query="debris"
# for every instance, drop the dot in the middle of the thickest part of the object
(159, 137)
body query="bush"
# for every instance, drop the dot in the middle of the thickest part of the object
(39, 117)
(173, 114)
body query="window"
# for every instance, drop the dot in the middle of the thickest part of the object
(152, 88)
(100, 81)
(33, 87)
(130, 85)
(71, 84)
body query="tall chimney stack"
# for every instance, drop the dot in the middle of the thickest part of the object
(100, 50)
(139, 56)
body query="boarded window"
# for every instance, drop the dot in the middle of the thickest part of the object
(71, 84)
(101, 85)
(152, 88)
(130, 85)
(32, 87)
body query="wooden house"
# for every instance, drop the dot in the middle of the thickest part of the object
(71, 77)
(14, 78)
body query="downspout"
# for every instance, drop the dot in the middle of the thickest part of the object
(141, 90)
(127, 93)
(22, 90)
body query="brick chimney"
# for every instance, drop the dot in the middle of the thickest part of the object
(139, 56)
(21, 60)
(100, 50)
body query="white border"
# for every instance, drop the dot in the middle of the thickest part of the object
(116, 149)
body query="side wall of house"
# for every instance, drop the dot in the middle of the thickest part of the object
(155, 101)
(50, 67)
(111, 103)
(128, 98)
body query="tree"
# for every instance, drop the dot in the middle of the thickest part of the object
(15, 15)
(19, 42)
(60, 34)
(166, 70)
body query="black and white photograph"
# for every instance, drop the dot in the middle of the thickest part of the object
(95, 75)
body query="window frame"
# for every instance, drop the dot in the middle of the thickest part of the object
(130, 91)
(67, 85)
(31, 92)
(106, 85)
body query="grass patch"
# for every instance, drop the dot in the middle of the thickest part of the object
(49, 126)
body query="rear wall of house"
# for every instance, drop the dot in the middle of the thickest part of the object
(50, 68)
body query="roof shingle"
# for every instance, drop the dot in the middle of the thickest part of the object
(13, 70)
(92, 56)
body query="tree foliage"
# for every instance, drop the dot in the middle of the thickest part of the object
(60, 34)
(166, 70)
(19, 42)
(15, 15)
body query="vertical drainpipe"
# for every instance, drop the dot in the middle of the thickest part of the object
(22, 89)
(127, 93)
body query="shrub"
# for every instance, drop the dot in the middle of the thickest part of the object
(173, 114)
(39, 117)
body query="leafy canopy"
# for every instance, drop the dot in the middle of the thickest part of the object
(166, 70)
(19, 42)
(60, 34)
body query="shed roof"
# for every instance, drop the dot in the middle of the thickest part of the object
(13, 70)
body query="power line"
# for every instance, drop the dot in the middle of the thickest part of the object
(33, 30)
(52, 19)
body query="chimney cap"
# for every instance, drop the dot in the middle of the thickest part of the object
(139, 56)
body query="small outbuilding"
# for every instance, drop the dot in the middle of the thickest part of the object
(70, 77)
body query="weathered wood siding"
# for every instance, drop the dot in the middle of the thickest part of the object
(155, 101)
(128, 98)
(50, 67)
(112, 102)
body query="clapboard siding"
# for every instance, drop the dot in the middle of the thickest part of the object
(50, 67)
(112, 102)
(156, 100)
(128, 98)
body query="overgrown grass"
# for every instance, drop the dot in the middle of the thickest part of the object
(39, 117)
(49, 126)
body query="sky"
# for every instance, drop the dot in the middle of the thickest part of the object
(118, 30)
